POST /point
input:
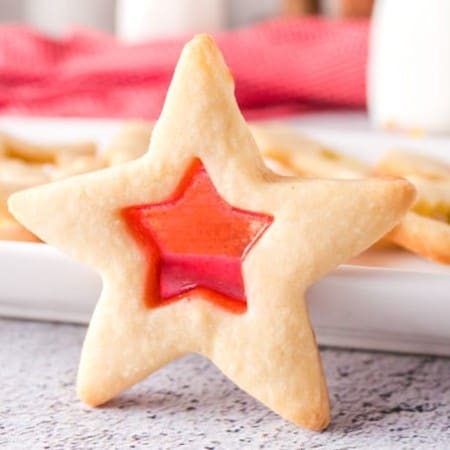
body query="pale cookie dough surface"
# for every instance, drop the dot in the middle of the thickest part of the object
(10, 230)
(269, 351)
(295, 151)
(15, 148)
(426, 229)
(427, 237)
(403, 163)
(24, 164)
(419, 233)
(131, 142)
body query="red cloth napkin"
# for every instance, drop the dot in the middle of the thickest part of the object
(279, 66)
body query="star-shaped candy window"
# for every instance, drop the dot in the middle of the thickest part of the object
(199, 240)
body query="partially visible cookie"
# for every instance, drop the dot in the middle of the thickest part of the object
(426, 229)
(289, 152)
(427, 237)
(404, 163)
(24, 164)
(20, 149)
(295, 151)
(130, 143)
(70, 165)
(11, 230)
(16, 175)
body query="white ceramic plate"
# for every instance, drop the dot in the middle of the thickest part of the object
(384, 300)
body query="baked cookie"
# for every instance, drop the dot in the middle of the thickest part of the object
(10, 230)
(74, 165)
(427, 236)
(203, 249)
(424, 236)
(277, 143)
(426, 229)
(294, 151)
(24, 164)
(404, 163)
(16, 175)
(13, 147)
(130, 143)
(288, 152)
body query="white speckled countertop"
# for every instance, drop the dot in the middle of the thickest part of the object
(378, 401)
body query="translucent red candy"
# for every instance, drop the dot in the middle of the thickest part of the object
(199, 242)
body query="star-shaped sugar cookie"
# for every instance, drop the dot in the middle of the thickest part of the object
(202, 249)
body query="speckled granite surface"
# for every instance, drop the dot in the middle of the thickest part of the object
(379, 401)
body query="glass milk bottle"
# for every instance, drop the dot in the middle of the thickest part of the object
(409, 65)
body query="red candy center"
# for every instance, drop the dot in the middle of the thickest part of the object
(198, 241)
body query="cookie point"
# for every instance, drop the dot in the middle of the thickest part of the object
(203, 47)
(408, 189)
(14, 202)
(20, 206)
(203, 40)
(312, 420)
(89, 396)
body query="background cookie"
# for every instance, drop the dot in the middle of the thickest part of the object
(426, 229)
(295, 151)
(129, 143)
(24, 164)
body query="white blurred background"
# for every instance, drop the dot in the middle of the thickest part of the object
(134, 20)
(55, 16)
